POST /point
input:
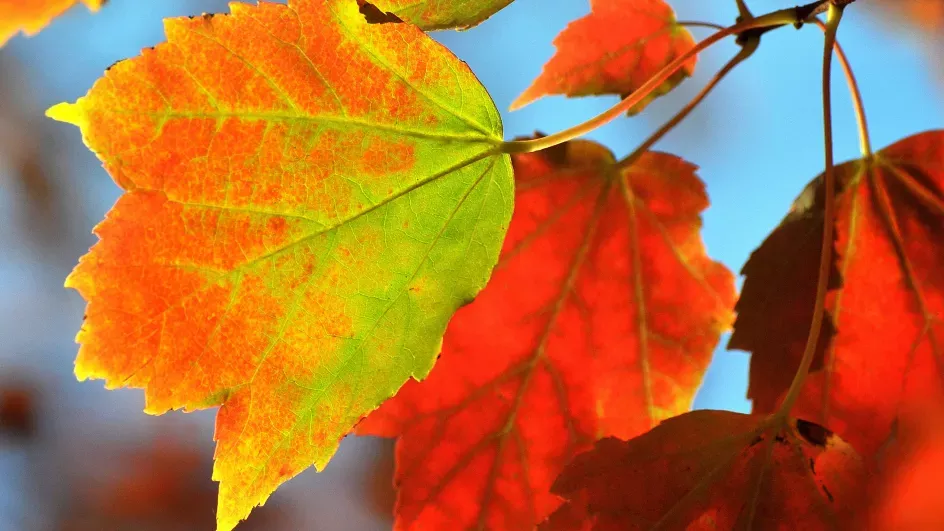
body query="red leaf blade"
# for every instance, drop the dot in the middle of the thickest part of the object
(599, 319)
(614, 50)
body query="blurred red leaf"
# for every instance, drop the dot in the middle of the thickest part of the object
(17, 411)
(708, 470)
(162, 486)
(28, 153)
(908, 494)
(927, 15)
(600, 319)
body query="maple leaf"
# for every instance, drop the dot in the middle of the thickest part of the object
(30, 16)
(887, 306)
(432, 14)
(716, 470)
(306, 206)
(614, 50)
(600, 318)
(775, 309)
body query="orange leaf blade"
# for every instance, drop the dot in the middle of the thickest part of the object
(614, 50)
(306, 206)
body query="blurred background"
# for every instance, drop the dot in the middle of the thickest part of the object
(75, 457)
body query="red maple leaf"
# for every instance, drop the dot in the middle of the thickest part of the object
(711, 470)
(614, 50)
(886, 306)
(600, 319)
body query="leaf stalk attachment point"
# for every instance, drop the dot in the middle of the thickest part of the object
(834, 16)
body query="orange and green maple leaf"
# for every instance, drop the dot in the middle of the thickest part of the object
(614, 50)
(600, 319)
(433, 14)
(306, 205)
(710, 470)
(30, 16)
(886, 306)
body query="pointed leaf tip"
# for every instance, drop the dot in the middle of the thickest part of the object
(521, 102)
(70, 113)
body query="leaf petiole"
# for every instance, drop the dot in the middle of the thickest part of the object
(832, 25)
(699, 24)
(746, 51)
(865, 145)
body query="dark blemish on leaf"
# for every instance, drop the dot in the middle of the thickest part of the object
(812, 465)
(113, 65)
(205, 16)
(780, 438)
(756, 441)
(813, 433)
(827, 493)
(373, 14)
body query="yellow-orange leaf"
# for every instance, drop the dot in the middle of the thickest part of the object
(30, 16)
(307, 203)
